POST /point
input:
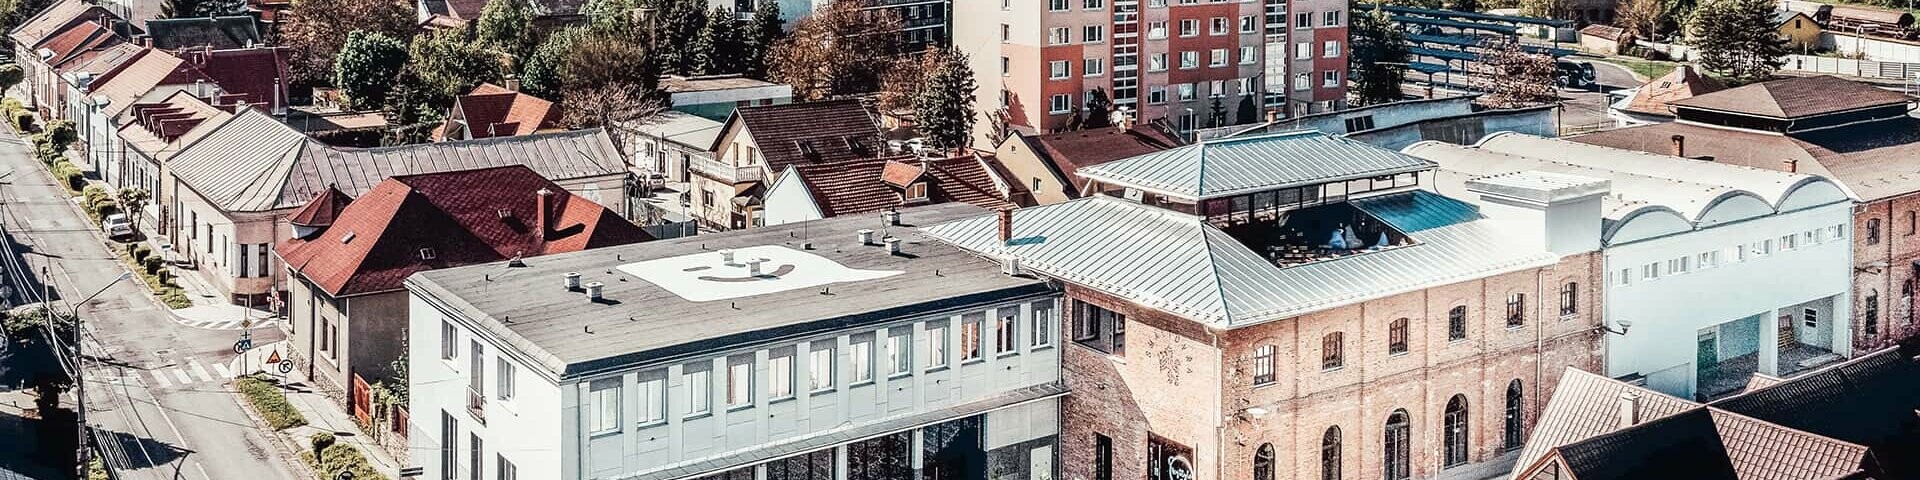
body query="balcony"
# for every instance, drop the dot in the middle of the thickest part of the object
(723, 172)
(477, 405)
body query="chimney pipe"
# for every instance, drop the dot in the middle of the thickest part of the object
(1790, 165)
(753, 266)
(1629, 409)
(891, 217)
(593, 291)
(726, 256)
(1679, 145)
(573, 281)
(1006, 226)
(1273, 116)
(866, 236)
(542, 203)
(893, 245)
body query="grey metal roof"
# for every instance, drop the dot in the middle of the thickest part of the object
(255, 163)
(1180, 264)
(1238, 165)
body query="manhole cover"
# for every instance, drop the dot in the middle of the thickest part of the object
(163, 352)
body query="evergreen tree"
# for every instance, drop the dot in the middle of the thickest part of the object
(1737, 38)
(314, 34)
(1099, 109)
(1375, 47)
(366, 66)
(1216, 114)
(615, 17)
(674, 30)
(944, 107)
(447, 66)
(719, 47)
(541, 75)
(765, 30)
(507, 26)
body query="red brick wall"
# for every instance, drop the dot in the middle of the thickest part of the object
(1896, 250)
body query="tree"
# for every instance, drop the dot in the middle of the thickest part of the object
(999, 125)
(201, 8)
(838, 50)
(540, 76)
(507, 26)
(943, 110)
(1461, 5)
(1099, 109)
(618, 17)
(448, 66)
(1376, 58)
(765, 30)
(1640, 18)
(1559, 9)
(10, 75)
(366, 66)
(314, 35)
(675, 29)
(1514, 77)
(1216, 113)
(1736, 38)
(720, 46)
(133, 200)
(609, 80)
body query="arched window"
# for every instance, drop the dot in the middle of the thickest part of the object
(1872, 324)
(1263, 365)
(1330, 454)
(1397, 336)
(1263, 462)
(1332, 351)
(1398, 445)
(1457, 323)
(1456, 431)
(1511, 434)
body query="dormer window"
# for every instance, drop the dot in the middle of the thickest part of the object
(917, 191)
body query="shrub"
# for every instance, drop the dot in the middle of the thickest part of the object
(322, 440)
(23, 121)
(139, 252)
(341, 457)
(175, 298)
(272, 404)
(62, 133)
(152, 264)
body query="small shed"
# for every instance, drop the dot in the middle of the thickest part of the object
(1604, 39)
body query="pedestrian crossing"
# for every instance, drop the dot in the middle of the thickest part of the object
(191, 373)
(228, 324)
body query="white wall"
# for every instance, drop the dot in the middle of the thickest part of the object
(525, 430)
(1668, 312)
(789, 201)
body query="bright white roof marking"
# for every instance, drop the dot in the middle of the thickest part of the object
(704, 277)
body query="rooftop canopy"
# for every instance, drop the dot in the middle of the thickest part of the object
(1231, 166)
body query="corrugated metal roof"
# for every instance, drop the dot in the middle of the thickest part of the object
(255, 163)
(1180, 264)
(1238, 165)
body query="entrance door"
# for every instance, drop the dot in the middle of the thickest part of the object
(1709, 352)
(1787, 335)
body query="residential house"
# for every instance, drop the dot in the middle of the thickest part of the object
(1856, 134)
(740, 355)
(1851, 421)
(1303, 310)
(1046, 165)
(667, 143)
(493, 111)
(1801, 30)
(216, 33)
(229, 196)
(348, 257)
(714, 97)
(1395, 125)
(1649, 103)
(152, 133)
(815, 191)
(96, 106)
(36, 52)
(759, 141)
(1759, 258)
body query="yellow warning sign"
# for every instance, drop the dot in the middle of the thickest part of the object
(274, 358)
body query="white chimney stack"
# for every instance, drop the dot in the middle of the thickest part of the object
(893, 245)
(726, 256)
(593, 290)
(753, 266)
(573, 280)
(1629, 409)
(891, 217)
(866, 236)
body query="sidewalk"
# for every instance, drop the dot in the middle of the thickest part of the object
(321, 412)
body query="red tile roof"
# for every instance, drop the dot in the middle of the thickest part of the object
(832, 131)
(1070, 151)
(323, 210)
(413, 223)
(70, 43)
(492, 111)
(1680, 84)
(57, 18)
(255, 75)
(862, 186)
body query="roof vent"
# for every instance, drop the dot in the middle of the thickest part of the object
(573, 281)
(503, 213)
(516, 261)
(593, 290)
(890, 217)
(893, 245)
(866, 236)
(348, 238)
(426, 254)
(726, 256)
(1629, 409)
(1010, 265)
(753, 266)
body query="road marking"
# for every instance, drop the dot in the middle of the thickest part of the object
(224, 371)
(199, 371)
(182, 374)
(161, 376)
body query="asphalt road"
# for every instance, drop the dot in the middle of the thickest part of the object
(1584, 109)
(153, 386)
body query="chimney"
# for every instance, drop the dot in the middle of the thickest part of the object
(274, 104)
(866, 236)
(1273, 116)
(1006, 226)
(513, 84)
(200, 89)
(542, 203)
(573, 281)
(1790, 165)
(1629, 409)
(726, 256)
(593, 291)
(890, 217)
(893, 245)
(753, 266)
(1679, 146)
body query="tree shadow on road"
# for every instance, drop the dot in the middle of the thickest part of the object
(140, 452)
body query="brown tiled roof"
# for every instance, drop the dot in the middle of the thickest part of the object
(256, 75)
(1796, 97)
(862, 186)
(57, 18)
(70, 43)
(140, 76)
(1680, 84)
(322, 210)
(493, 111)
(1067, 152)
(900, 174)
(833, 130)
(1585, 405)
(1608, 32)
(412, 223)
(1872, 160)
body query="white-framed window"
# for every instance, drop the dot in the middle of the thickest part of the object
(1760, 248)
(1303, 20)
(1156, 3)
(1623, 277)
(1810, 237)
(820, 367)
(970, 344)
(900, 353)
(780, 375)
(1331, 49)
(1302, 81)
(1095, 4)
(1706, 260)
(937, 346)
(1186, 92)
(1006, 331)
(1041, 321)
(449, 340)
(1330, 19)
(1217, 26)
(1837, 232)
(1189, 60)
(1249, 55)
(1330, 78)
(1093, 33)
(1789, 242)
(862, 361)
(1006, 33)
(1060, 103)
(739, 382)
(1095, 67)
(1650, 271)
(1189, 28)
(699, 388)
(1243, 86)
(1156, 95)
(1679, 266)
(652, 393)
(1057, 5)
(1157, 62)
(1302, 51)
(1217, 88)
(604, 396)
(1058, 70)
(1059, 36)
(1217, 58)
(1157, 30)
(506, 469)
(503, 391)
(1006, 67)
(1249, 24)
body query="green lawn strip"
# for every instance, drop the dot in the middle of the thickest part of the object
(340, 457)
(267, 399)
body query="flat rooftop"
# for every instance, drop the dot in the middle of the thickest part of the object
(677, 297)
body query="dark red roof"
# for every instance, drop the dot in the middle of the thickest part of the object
(413, 223)
(256, 75)
(322, 210)
(493, 111)
(811, 132)
(862, 186)
(1070, 151)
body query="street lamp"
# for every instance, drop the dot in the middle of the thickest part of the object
(79, 375)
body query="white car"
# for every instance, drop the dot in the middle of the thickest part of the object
(116, 226)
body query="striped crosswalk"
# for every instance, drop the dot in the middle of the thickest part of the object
(227, 324)
(191, 373)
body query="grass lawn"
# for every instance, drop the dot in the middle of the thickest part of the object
(267, 399)
(1649, 68)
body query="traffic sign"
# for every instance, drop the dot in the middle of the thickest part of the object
(274, 358)
(286, 366)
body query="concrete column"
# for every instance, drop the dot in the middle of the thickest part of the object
(1841, 331)
(1770, 342)
(917, 451)
(840, 462)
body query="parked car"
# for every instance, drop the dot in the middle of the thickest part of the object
(116, 226)
(1571, 74)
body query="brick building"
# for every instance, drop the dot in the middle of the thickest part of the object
(1191, 63)
(1282, 316)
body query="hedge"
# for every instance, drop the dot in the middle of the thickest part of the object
(272, 404)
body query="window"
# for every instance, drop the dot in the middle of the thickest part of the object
(241, 265)
(1043, 319)
(1263, 462)
(739, 381)
(936, 346)
(1789, 242)
(1330, 49)
(1761, 248)
(1249, 24)
(1303, 20)
(699, 389)
(1810, 317)
(1330, 454)
(475, 459)
(449, 338)
(1156, 30)
(1333, 351)
(1398, 447)
(1873, 231)
(1102, 457)
(1302, 51)
(1263, 364)
(1186, 92)
(1330, 78)
(653, 390)
(1706, 260)
(1872, 309)
(1056, 5)
(1302, 81)
(1911, 222)
(1060, 103)
(1679, 266)
(1189, 60)
(604, 398)
(900, 353)
(1569, 299)
(1330, 18)
(1059, 36)
(450, 431)
(1157, 63)
(1058, 69)
(970, 336)
(1516, 310)
(1243, 85)
(1457, 323)
(1511, 432)
(1217, 26)
(1095, 67)
(819, 366)
(1623, 277)
(1248, 56)
(504, 391)
(1156, 95)
(1397, 336)
(1189, 28)
(1006, 68)
(1217, 58)
(862, 360)
(1099, 329)
(780, 374)
(1006, 33)
(1006, 335)
(506, 468)
(1837, 232)
(1456, 431)
(1095, 4)
(1093, 33)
